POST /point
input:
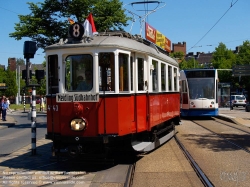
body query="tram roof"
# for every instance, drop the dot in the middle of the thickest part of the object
(117, 40)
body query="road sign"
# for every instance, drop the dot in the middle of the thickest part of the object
(241, 70)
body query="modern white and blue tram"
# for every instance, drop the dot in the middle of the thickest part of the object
(198, 92)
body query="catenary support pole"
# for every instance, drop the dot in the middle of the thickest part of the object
(33, 121)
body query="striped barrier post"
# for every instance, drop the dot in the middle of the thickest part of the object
(33, 121)
(23, 102)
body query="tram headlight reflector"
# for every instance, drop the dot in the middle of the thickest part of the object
(212, 102)
(78, 124)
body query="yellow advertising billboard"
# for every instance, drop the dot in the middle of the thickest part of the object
(157, 37)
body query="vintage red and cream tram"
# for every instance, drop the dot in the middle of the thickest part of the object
(129, 93)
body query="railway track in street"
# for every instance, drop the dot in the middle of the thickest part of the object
(229, 132)
(219, 148)
(213, 161)
(204, 179)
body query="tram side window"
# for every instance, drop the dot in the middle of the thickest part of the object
(169, 78)
(163, 77)
(155, 75)
(140, 74)
(123, 72)
(131, 73)
(53, 74)
(106, 72)
(79, 72)
(175, 79)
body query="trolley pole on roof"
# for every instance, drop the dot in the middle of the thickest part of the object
(29, 51)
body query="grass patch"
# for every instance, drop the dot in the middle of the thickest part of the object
(21, 107)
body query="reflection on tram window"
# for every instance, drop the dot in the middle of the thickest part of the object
(140, 74)
(163, 77)
(155, 75)
(201, 88)
(123, 72)
(106, 74)
(169, 78)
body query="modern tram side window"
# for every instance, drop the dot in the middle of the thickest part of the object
(123, 72)
(53, 74)
(106, 72)
(183, 91)
(170, 78)
(79, 72)
(140, 62)
(155, 75)
(163, 77)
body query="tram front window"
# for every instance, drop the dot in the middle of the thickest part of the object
(201, 88)
(79, 73)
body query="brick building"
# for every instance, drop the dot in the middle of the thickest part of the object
(179, 47)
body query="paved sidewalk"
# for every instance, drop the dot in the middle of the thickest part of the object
(10, 120)
(238, 116)
(22, 160)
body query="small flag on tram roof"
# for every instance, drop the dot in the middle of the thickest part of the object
(71, 21)
(89, 26)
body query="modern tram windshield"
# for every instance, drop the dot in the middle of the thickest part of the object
(201, 88)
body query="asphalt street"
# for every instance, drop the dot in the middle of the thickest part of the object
(19, 135)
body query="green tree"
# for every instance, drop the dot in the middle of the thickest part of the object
(243, 58)
(191, 63)
(20, 62)
(2, 79)
(10, 81)
(48, 21)
(224, 58)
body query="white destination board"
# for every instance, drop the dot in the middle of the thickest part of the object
(77, 97)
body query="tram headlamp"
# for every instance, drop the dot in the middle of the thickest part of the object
(78, 124)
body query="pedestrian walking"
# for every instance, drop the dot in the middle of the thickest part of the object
(8, 101)
(42, 104)
(5, 107)
(1, 102)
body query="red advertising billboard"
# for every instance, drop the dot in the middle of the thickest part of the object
(157, 37)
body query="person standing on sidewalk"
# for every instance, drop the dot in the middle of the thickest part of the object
(1, 102)
(5, 106)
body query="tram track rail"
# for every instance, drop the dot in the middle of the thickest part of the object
(223, 136)
(229, 125)
(204, 179)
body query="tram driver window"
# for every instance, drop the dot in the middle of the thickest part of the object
(53, 74)
(79, 73)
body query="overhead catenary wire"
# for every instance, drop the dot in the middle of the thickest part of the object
(232, 4)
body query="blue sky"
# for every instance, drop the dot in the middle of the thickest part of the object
(202, 24)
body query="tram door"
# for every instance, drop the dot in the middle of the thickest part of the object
(141, 96)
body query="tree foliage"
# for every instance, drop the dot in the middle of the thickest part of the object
(48, 21)
(20, 62)
(10, 81)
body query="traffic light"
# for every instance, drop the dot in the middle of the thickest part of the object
(29, 49)
(24, 74)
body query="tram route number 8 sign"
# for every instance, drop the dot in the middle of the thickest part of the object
(76, 31)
